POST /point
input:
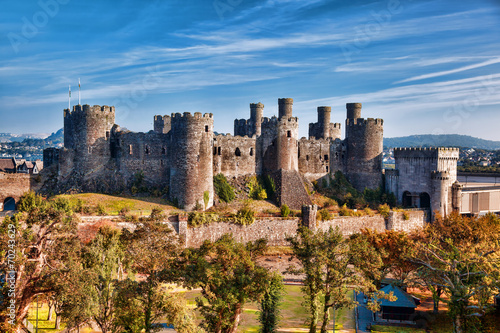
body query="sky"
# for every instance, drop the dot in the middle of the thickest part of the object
(425, 67)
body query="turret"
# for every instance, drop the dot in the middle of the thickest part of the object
(285, 106)
(191, 162)
(364, 139)
(288, 132)
(256, 114)
(162, 124)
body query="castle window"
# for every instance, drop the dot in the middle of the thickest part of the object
(107, 134)
(298, 153)
(146, 149)
(90, 150)
(251, 151)
(327, 168)
(218, 151)
(163, 151)
(215, 151)
(206, 128)
(289, 134)
(130, 150)
(326, 157)
(307, 157)
(237, 152)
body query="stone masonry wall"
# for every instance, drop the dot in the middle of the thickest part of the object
(349, 225)
(234, 155)
(416, 220)
(274, 230)
(14, 185)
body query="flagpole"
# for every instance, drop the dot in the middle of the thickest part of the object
(79, 102)
(69, 99)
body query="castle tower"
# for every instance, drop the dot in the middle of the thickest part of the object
(364, 148)
(191, 162)
(285, 106)
(288, 132)
(353, 112)
(87, 131)
(456, 197)
(162, 124)
(256, 114)
(323, 129)
(439, 197)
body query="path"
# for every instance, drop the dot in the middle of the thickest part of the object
(364, 315)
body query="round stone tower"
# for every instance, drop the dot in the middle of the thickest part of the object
(364, 143)
(256, 114)
(285, 106)
(87, 131)
(439, 196)
(324, 113)
(191, 160)
(288, 133)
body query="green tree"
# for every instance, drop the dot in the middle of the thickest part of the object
(34, 243)
(223, 189)
(227, 273)
(269, 314)
(150, 249)
(103, 262)
(325, 259)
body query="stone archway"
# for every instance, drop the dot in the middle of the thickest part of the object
(425, 200)
(407, 199)
(9, 204)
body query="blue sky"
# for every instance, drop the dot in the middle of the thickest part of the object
(424, 66)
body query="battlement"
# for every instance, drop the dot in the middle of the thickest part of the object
(256, 105)
(433, 152)
(365, 122)
(222, 138)
(335, 125)
(188, 115)
(353, 110)
(90, 109)
(269, 121)
(285, 101)
(440, 175)
(161, 118)
(313, 139)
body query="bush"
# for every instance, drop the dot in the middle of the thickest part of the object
(324, 215)
(285, 211)
(406, 216)
(196, 219)
(245, 216)
(62, 205)
(101, 210)
(368, 211)
(384, 210)
(330, 203)
(30, 201)
(223, 189)
(269, 186)
(344, 211)
(124, 211)
(156, 214)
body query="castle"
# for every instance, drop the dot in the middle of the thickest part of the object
(183, 154)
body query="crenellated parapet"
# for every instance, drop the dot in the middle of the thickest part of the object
(162, 124)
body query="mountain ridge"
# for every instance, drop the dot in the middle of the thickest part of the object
(440, 140)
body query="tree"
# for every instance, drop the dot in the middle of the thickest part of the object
(394, 248)
(140, 304)
(103, 259)
(325, 259)
(227, 273)
(461, 256)
(34, 243)
(269, 314)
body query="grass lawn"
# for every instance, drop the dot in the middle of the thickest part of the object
(294, 314)
(113, 204)
(44, 326)
(393, 329)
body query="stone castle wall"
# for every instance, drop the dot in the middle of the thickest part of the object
(14, 185)
(314, 157)
(234, 156)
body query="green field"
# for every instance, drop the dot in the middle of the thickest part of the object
(294, 314)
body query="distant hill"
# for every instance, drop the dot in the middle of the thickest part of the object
(442, 140)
